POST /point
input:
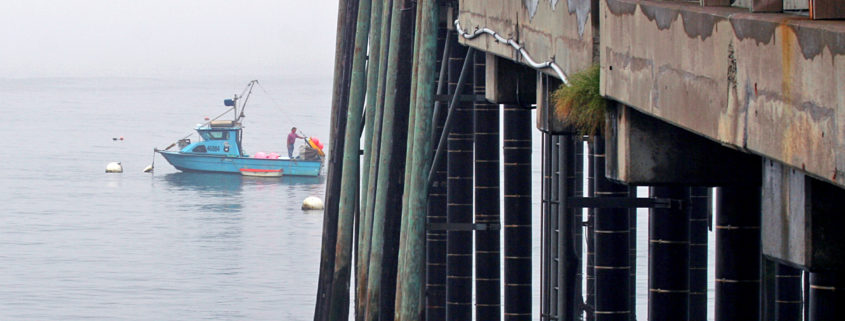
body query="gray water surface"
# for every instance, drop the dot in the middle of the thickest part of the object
(79, 244)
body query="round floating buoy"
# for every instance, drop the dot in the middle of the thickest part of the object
(148, 169)
(114, 167)
(312, 203)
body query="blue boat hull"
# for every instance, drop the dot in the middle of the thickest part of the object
(188, 162)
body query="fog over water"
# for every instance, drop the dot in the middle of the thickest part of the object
(162, 38)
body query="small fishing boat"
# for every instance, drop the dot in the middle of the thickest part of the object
(220, 150)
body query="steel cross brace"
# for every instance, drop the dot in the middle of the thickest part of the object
(623, 202)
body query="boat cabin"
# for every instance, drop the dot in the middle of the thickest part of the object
(218, 137)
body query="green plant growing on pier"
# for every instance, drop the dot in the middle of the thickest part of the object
(580, 103)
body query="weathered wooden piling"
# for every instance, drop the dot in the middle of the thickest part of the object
(339, 307)
(788, 296)
(383, 254)
(364, 235)
(487, 244)
(517, 211)
(459, 198)
(611, 247)
(738, 253)
(344, 48)
(411, 255)
(668, 259)
(435, 306)
(699, 208)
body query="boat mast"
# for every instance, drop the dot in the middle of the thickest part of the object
(248, 91)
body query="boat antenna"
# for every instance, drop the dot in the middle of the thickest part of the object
(248, 91)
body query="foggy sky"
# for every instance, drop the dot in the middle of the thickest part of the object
(161, 38)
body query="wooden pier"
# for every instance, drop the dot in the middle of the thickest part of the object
(706, 102)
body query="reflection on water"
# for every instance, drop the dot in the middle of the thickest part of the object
(205, 181)
(233, 182)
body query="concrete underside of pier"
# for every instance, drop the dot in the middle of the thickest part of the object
(700, 96)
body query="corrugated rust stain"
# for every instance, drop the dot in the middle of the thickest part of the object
(531, 5)
(619, 8)
(581, 8)
(814, 40)
(761, 31)
(664, 17)
(698, 24)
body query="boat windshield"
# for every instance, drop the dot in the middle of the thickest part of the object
(218, 135)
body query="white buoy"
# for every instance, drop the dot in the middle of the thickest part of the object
(114, 167)
(312, 203)
(148, 169)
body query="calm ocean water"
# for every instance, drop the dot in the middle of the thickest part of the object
(79, 244)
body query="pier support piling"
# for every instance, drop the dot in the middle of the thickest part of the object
(738, 253)
(344, 48)
(487, 245)
(788, 296)
(825, 296)
(517, 230)
(459, 195)
(668, 259)
(699, 209)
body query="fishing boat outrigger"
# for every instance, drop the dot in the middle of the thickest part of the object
(220, 150)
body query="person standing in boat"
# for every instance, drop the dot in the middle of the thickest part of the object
(291, 140)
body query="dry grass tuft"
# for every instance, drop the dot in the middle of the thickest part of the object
(580, 103)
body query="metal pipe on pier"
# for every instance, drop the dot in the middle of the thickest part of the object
(632, 254)
(590, 301)
(738, 253)
(668, 259)
(517, 210)
(487, 244)
(548, 263)
(578, 226)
